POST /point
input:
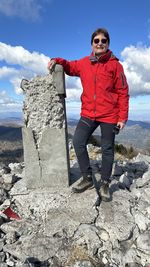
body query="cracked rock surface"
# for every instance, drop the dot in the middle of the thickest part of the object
(62, 229)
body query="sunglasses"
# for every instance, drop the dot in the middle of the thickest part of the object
(97, 41)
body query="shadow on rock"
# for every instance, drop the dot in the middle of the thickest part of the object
(34, 262)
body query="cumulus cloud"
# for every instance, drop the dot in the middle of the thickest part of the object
(18, 63)
(17, 55)
(25, 9)
(23, 64)
(26, 64)
(73, 88)
(137, 65)
(8, 103)
(6, 72)
(16, 84)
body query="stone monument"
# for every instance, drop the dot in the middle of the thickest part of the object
(46, 153)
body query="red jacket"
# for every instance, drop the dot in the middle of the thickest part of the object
(105, 90)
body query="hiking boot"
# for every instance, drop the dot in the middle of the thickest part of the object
(104, 192)
(86, 183)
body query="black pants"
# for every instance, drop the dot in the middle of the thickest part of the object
(84, 130)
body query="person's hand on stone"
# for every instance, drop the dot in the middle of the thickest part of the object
(51, 65)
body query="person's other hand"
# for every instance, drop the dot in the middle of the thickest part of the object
(121, 124)
(51, 65)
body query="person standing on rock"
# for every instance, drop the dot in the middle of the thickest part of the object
(104, 103)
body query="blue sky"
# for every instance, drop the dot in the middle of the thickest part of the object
(32, 31)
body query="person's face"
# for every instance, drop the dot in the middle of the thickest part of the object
(100, 44)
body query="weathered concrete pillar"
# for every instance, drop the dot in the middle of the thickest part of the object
(45, 143)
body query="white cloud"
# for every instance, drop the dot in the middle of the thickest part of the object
(73, 88)
(73, 94)
(16, 84)
(17, 55)
(8, 103)
(6, 72)
(26, 64)
(137, 66)
(73, 109)
(25, 9)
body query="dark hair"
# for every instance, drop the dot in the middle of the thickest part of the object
(98, 31)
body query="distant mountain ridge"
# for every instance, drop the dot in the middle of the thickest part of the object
(143, 124)
(136, 133)
(146, 125)
(17, 118)
(10, 133)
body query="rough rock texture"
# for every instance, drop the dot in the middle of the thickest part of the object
(62, 229)
(52, 227)
(43, 106)
(45, 131)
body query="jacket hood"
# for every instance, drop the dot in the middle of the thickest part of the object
(103, 58)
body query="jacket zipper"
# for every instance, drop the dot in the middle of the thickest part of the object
(122, 78)
(94, 97)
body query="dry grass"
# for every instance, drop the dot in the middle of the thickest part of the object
(79, 253)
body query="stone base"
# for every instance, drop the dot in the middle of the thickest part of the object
(47, 166)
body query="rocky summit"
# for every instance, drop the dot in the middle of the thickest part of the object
(42, 222)
(57, 228)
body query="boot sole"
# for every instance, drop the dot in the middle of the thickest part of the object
(76, 190)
